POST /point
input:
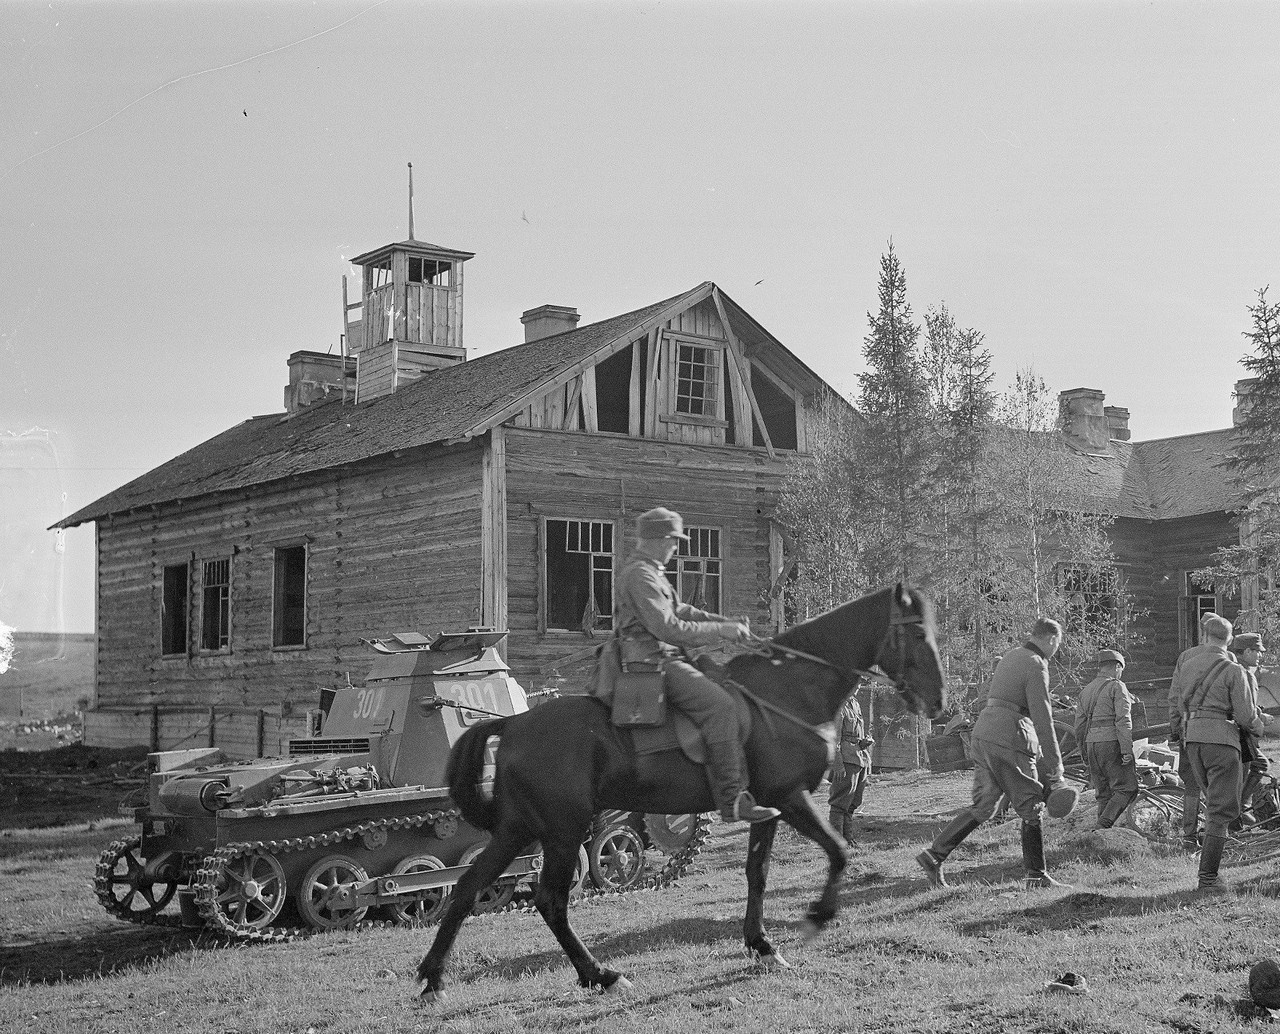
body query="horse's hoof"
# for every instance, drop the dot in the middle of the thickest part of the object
(620, 986)
(809, 930)
(429, 997)
(772, 961)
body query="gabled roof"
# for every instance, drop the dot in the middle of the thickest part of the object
(452, 404)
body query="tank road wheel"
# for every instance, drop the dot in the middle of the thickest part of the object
(496, 895)
(123, 886)
(251, 890)
(616, 858)
(673, 833)
(319, 894)
(426, 909)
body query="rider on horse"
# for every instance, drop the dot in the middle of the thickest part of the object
(651, 624)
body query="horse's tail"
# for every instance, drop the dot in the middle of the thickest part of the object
(466, 767)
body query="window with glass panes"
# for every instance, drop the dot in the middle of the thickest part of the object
(697, 377)
(694, 571)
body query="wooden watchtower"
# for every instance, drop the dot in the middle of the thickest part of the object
(410, 315)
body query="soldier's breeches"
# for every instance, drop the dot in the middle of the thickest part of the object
(1115, 782)
(1190, 794)
(1000, 770)
(847, 788)
(707, 703)
(1219, 773)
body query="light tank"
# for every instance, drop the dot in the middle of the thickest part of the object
(355, 822)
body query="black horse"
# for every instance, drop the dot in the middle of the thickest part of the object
(560, 763)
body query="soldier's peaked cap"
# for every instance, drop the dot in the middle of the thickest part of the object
(1106, 656)
(1246, 641)
(660, 523)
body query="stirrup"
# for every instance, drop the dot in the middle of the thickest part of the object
(745, 809)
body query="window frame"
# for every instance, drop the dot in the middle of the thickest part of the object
(1190, 610)
(605, 620)
(185, 651)
(224, 646)
(713, 397)
(277, 592)
(682, 565)
(1118, 616)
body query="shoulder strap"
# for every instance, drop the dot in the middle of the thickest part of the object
(1201, 689)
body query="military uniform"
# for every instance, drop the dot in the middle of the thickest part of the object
(850, 769)
(1190, 788)
(651, 625)
(1012, 744)
(1216, 704)
(1104, 730)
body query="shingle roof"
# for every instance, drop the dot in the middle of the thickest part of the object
(456, 402)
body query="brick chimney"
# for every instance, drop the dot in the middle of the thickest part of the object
(546, 320)
(1244, 389)
(314, 376)
(1117, 423)
(1084, 418)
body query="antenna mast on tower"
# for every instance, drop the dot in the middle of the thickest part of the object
(411, 201)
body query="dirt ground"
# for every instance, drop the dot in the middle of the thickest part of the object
(48, 778)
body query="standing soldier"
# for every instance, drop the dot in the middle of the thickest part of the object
(1215, 706)
(1190, 788)
(850, 769)
(1013, 732)
(1247, 647)
(651, 623)
(1104, 731)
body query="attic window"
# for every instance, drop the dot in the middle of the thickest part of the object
(430, 271)
(379, 274)
(697, 375)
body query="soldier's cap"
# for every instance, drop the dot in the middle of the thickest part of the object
(1062, 801)
(660, 523)
(1106, 656)
(1247, 641)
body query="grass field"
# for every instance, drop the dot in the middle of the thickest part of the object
(900, 958)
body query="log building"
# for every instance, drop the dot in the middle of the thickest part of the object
(406, 487)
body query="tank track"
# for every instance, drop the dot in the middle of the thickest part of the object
(205, 883)
(103, 882)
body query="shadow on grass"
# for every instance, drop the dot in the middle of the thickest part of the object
(105, 951)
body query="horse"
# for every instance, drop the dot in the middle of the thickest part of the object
(563, 761)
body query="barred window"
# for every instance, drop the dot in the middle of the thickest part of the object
(579, 575)
(1092, 596)
(694, 572)
(215, 616)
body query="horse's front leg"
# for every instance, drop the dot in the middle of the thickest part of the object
(800, 811)
(759, 848)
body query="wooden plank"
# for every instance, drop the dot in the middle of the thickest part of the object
(744, 375)
(636, 386)
(570, 422)
(589, 413)
(651, 384)
(493, 533)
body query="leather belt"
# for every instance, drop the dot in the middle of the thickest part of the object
(1009, 704)
(1210, 714)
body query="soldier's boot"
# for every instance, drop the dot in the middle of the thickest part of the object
(724, 770)
(1035, 876)
(932, 857)
(847, 829)
(836, 818)
(1115, 808)
(1209, 882)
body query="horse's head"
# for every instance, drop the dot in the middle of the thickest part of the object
(909, 653)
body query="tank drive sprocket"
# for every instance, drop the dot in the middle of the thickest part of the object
(126, 890)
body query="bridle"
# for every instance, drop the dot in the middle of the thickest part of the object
(894, 640)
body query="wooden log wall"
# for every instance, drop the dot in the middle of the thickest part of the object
(560, 475)
(1134, 549)
(392, 546)
(1180, 545)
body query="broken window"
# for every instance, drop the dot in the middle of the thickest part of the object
(697, 380)
(694, 571)
(1092, 596)
(579, 575)
(173, 610)
(613, 393)
(215, 605)
(289, 599)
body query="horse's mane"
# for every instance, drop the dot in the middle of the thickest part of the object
(817, 631)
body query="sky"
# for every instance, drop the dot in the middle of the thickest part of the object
(1090, 185)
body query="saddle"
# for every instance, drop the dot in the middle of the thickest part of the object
(638, 708)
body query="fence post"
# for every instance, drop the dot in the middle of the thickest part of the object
(212, 729)
(262, 732)
(155, 727)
